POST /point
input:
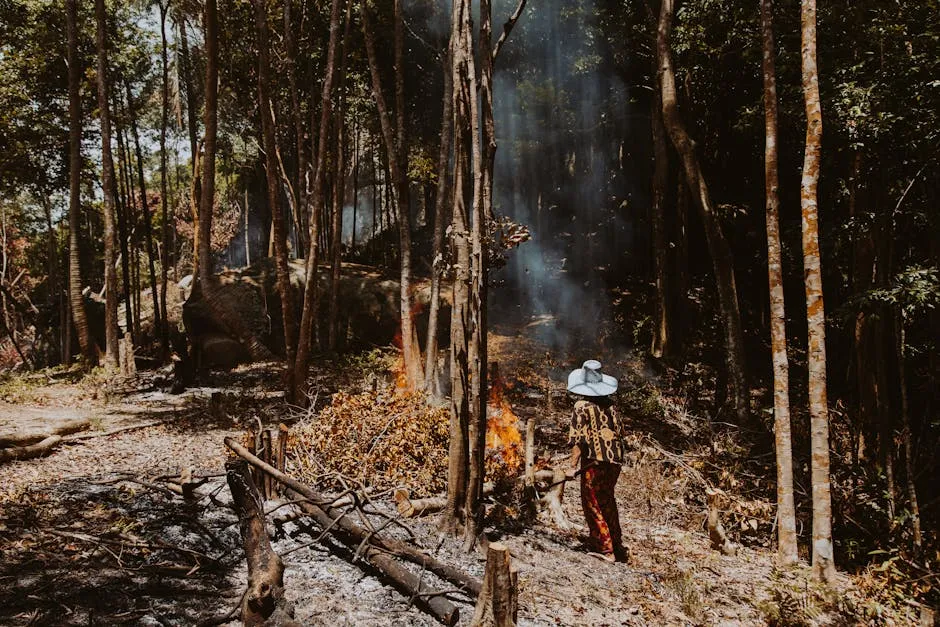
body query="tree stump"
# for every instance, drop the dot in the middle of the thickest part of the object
(128, 365)
(498, 604)
(264, 602)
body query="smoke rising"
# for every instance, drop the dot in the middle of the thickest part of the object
(562, 129)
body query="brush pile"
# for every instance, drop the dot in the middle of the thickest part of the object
(379, 440)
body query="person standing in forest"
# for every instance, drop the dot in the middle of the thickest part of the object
(597, 452)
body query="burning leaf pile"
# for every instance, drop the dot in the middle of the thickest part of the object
(381, 441)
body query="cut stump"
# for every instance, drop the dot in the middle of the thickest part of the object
(498, 604)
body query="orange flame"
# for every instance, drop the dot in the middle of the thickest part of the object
(403, 382)
(502, 434)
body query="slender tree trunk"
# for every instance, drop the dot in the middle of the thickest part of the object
(483, 149)
(823, 562)
(269, 141)
(52, 266)
(661, 331)
(210, 122)
(455, 514)
(164, 193)
(148, 232)
(786, 512)
(124, 194)
(193, 128)
(357, 155)
(300, 186)
(717, 244)
(308, 318)
(339, 195)
(107, 184)
(206, 281)
(432, 384)
(900, 331)
(396, 151)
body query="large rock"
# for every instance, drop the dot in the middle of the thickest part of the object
(368, 309)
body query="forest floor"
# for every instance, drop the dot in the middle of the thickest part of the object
(90, 534)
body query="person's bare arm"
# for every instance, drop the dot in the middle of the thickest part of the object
(574, 463)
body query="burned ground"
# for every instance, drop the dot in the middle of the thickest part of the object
(92, 533)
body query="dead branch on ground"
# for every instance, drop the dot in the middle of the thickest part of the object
(371, 545)
(265, 600)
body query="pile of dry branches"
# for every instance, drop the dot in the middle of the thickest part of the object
(379, 440)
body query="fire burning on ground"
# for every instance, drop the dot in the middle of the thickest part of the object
(502, 433)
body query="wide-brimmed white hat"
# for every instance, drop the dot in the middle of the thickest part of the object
(588, 380)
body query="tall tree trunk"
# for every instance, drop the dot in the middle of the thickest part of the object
(164, 193)
(52, 268)
(339, 192)
(823, 562)
(206, 281)
(786, 512)
(76, 303)
(661, 320)
(483, 149)
(300, 186)
(192, 127)
(269, 141)
(148, 231)
(717, 244)
(432, 384)
(124, 194)
(308, 318)
(210, 122)
(107, 184)
(455, 514)
(900, 331)
(396, 151)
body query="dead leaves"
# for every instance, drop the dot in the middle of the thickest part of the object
(381, 441)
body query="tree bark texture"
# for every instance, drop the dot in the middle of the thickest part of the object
(206, 283)
(339, 192)
(164, 183)
(455, 515)
(661, 330)
(432, 385)
(145, 208)
(264, 602)
(269, 141)
(786, 512)
(308, 317)
(107, 184)
(76, 302)
(396, 151)
(483, 151)
(823, 562)
(717, 243)
(124, 206)
(300, 180)
(498, 603)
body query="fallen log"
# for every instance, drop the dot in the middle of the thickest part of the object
(264, 603)
(31, 437)
(31, 451)
(498, 604)
(373, 547)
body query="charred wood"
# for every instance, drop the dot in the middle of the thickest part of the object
(264, 604)
(371, 546)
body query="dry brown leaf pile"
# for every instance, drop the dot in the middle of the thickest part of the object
(382, 441)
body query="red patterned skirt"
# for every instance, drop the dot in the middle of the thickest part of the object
(598, 480)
